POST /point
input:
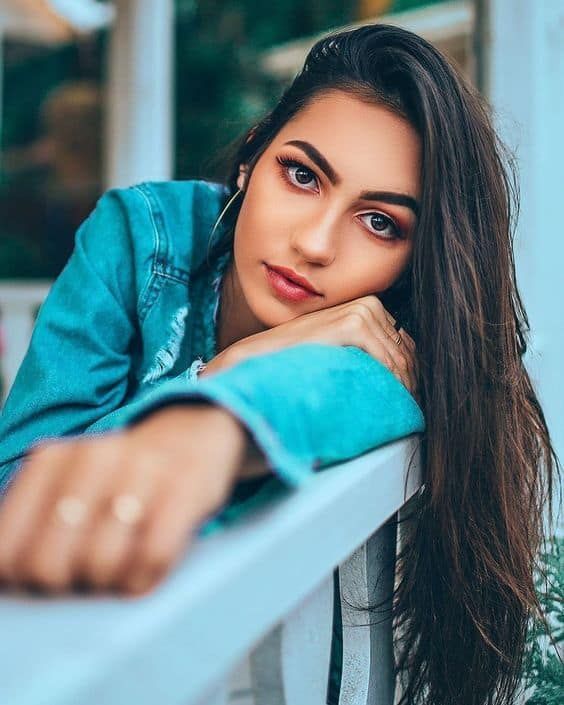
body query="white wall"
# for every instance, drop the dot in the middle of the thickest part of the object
(526, 79)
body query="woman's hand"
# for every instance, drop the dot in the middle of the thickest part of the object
(181, 462)
(364, 323)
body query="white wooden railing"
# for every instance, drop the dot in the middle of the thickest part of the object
(19, 302)
(246, 618)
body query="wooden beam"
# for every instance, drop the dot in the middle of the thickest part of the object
(140, 93)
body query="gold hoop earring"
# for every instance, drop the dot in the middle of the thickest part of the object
(223, 212)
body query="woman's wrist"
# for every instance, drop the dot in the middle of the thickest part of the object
(240, 456)
(221, 361)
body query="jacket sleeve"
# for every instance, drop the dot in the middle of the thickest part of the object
(70, 376)
(306, 406)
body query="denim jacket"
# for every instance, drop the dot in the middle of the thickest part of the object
(131, 318)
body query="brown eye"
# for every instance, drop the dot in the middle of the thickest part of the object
(302, 175)
(296, 173)
(381, 225)
(378, 222)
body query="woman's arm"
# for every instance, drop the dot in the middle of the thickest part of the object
(305, 406)
(180, 461)
(178, 466)
(77, 364)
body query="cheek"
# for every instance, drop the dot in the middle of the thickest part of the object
(372, 271)
(261, 229)
(246, 228)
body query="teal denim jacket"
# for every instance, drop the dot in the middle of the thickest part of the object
(131, 318)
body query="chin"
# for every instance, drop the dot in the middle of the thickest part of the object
(266, 308)
(271, 314)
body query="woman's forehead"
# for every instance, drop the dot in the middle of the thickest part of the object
(366, 144)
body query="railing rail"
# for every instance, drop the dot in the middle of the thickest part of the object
(258, 593)
(19, 301)
(246, 618)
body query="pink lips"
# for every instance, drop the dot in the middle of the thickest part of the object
(287, 289)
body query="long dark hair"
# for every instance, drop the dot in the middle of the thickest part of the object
(465, 593)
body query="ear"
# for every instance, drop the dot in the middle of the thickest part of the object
(242, 178)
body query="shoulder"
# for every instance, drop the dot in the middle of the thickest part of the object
(150, 232)
(167, 221)
(179, 215)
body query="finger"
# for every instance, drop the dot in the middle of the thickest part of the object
(396, 325)
(398, 354)
(177, 511)
(29, 492)
(400, 361)
(386, 320)
(111, 541)
(380, 348)
(407, 339)
(409, 345)
(377, 308)
(47, 560)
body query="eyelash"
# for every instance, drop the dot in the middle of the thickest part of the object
(287, 162)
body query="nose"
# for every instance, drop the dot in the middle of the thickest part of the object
(316, 242)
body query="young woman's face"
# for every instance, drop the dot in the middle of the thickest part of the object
(334, 198)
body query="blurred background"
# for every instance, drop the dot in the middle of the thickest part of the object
(98, 94)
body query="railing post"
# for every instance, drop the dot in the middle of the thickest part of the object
(306, 647)
(140, 91)
(218, 696)
(290, 666)
(367, 578)
(19, 302)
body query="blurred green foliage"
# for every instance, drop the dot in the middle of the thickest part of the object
(401, 5)
(220, 89)
(544, 673)
(219, 86)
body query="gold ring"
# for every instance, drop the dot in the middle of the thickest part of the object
(127, 509)
(397, 340)
(71, 511)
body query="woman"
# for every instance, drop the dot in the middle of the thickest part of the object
(379, 182)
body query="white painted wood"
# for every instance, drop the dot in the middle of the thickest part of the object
(18, 303)
(449, 23)
(218, 695)
(24, 292)
(84, 15)
(526, 87)
(140, 84)
(240, 686)
(53, 21)
(406, 513)
(230, 589)
(267, 681)
(367, 578)
(306, 648)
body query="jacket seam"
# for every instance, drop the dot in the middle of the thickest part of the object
(172, 277)
(153, 285)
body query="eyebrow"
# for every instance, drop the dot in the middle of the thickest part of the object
(392, 197)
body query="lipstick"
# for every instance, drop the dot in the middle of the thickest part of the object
(286, 289)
